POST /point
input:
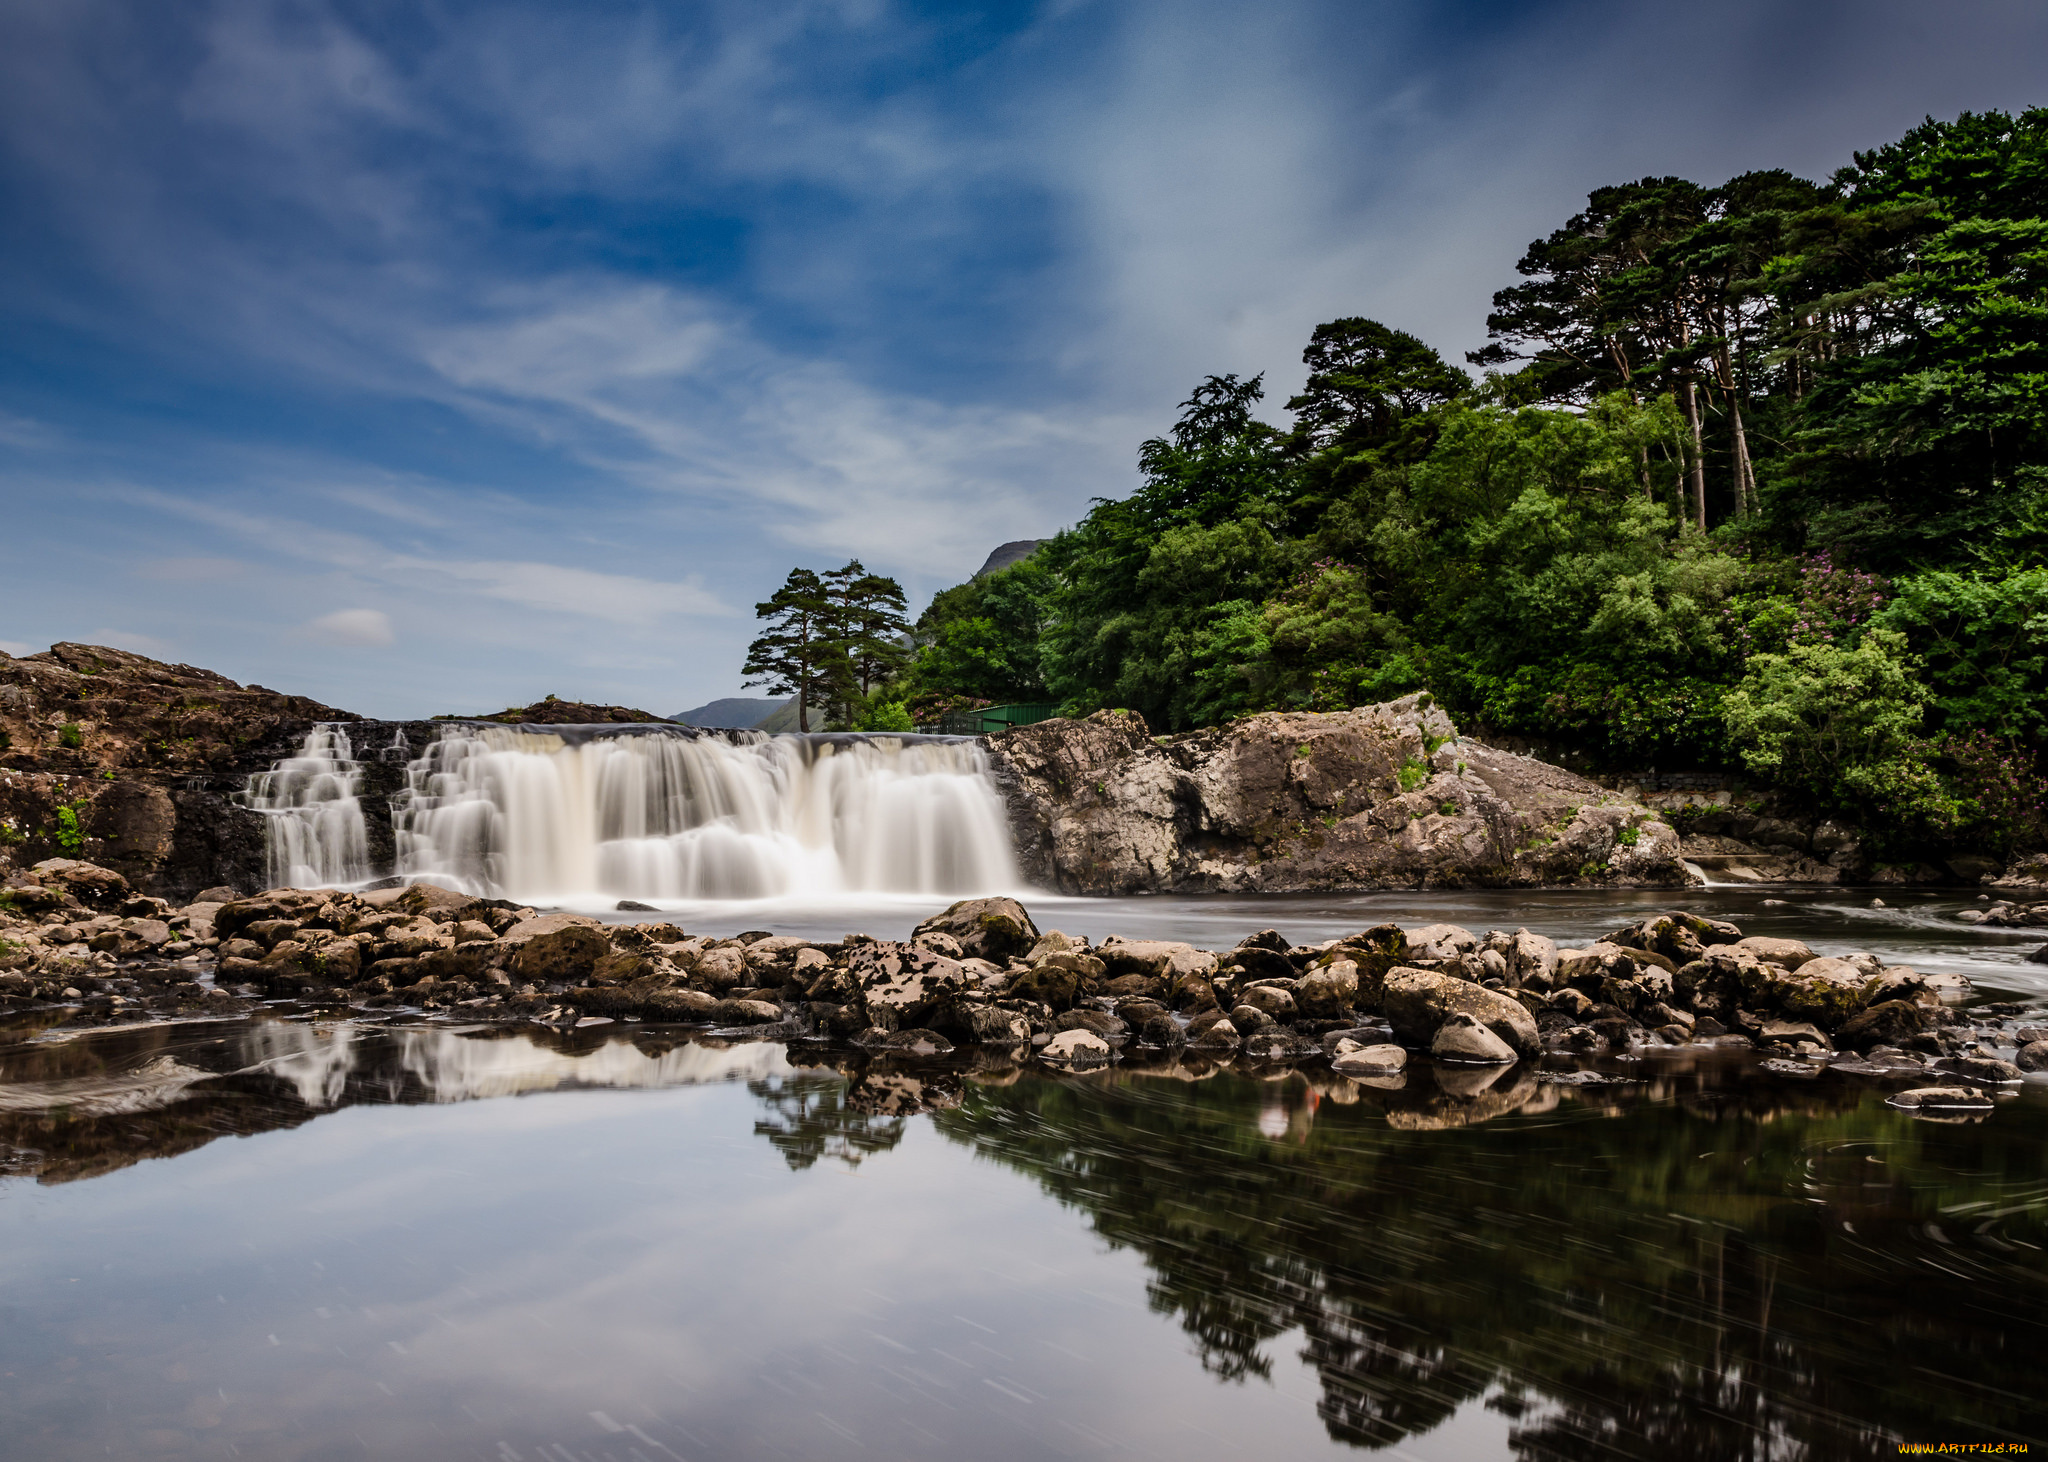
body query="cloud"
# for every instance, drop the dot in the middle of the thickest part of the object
(128, 639)
(621, 598)
(16, 647)
(359, 627)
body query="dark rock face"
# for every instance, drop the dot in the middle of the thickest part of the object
(1388, 795)
(133, 763)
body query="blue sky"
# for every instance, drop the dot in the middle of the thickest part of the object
(437, 356)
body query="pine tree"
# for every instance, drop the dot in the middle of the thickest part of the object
(800, 654)
(869, 623)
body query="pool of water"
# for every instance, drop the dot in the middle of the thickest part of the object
(288, 1238)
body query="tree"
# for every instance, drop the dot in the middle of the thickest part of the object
(868, 621)
(1364, 379)
(800, 655)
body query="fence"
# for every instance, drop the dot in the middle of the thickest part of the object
(996, 718)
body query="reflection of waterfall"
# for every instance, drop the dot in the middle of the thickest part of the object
(313, 829)
(528, 813)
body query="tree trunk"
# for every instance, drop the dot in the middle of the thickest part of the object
(1745, 475)
(1696, 470)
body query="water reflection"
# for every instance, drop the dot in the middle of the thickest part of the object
(1705, 1266)
(1689, 1260)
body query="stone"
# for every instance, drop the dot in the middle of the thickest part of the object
(1328, 991)
(943, 945)
(1219, 1034)
(1270, 1000)
(556, 948)
(1077, 1048)
(1163, 1031)
(634, 906)
(990, 1025)
(1884, 1023)
(2032, 1057)
(90, 884)
(1792, 1032)
(746, 1012)
(1048, 983)
(1463, 1038)
(903, 985)
(1278, 1044)
(1988, 1069)
(1261, 963)
(1417, 1002)
(990, 928)
(917, 1042)
(1249, 1018)
(1439, 941)
(1379, 1060)
(1787, 952)
(1100, 808)
(1825, 991)
(1940, 1096)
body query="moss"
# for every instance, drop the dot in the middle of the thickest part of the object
(1628, 837)
(69, 735)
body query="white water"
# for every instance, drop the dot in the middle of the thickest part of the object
(523, 813)
(313, 829)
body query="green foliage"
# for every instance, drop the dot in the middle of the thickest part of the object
(1820, 715)
(831, 638)
(1983, 639)
(69, 735)
(885, 716)
(70, 828)
(1413, 774)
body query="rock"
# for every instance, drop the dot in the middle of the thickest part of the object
(1417, 1002)
(1940, 1096)
(1679, 936)
(992, 928)
(1329, 991)
(1532, 960)
(1164, 960)
(903, 985)
(2032, 1057)
(1277, 1044)
(1987, 1069)
(634, 906)
(2039, 956)
(746, 1012)
(1261, 963)
(1804, 1070)
(1270, 1000)
(1077, 1048)
(1792, 1032)
(1381, 1060)
(917, 1042)
(1049, 983)
(1108, 1026)
(1219, 1034)
(1303, 800)
(1787, 952)
(1462, 1038)
(943, 945)
(556, 948)
(1884, 1023)
(1439, 941)
(1825, 991)
(1249, 1018)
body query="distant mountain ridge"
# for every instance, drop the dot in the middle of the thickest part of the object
(1015, 551)
(733, 713)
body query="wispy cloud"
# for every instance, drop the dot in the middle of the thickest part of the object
(356, 627)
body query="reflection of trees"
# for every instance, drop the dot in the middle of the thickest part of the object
(1739, 1274)
(809, 1117)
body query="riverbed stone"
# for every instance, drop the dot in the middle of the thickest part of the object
(556, 948)
(1885, 1023)
(1375, 1060)
(1417, 1002)
(1825, 991)
(988, 928)
(1790, 953)
(1077, 1048)
(1328, 991)
(1941, 1096)
(1463, 1038)
(2033, 1056)
(902, 985)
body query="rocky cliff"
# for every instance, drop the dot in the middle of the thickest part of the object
(133, 764)
(1386, 796)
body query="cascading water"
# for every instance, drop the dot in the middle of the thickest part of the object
(527, 813)
(313, 830)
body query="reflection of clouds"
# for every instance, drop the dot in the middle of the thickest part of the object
(455, 1068)
(315, 1060)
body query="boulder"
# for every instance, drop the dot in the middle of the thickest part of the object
(555, 948)
(994, 929)
(1885, 1023)
(1941, 1096)
(1297, 800)
(92, 885)
(1678, 936)
(1463, 1038)
(2032, 1057)
(1417, 1002)
(1162, 959)
(1328, 991)
(903, 985)
(1787, 952)
(1825, 991)
(1270, 1000)
(992, 1026)
(1381, 1060)
(1077, 1048)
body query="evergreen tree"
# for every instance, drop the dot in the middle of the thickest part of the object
(800, 654)
(869, 622)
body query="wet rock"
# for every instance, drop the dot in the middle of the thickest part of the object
(1049, 983)
(992, 928)
(1417, 1002)
(1940, 1096)
(1328, 991)
(1439, 941)
(1249, 1018)
(1678, 936)
(1825, 991)
(1076, 1048)
(1213, 1034)
(634, 906)
(1987, 1069)
(719, 968)
(2032, 1057)
(1261, 962)
(92, 885)
(746, 1012)
(1787, 952)
(1792, 1032)
(917, 1042)
(1804, 1070)
(1279, 1044)
(943, 945)
(1375, 1060)
(1270, 1000)
(992, 1026)
(1886, 1023)
(1462, 1038)
(1108, 1026)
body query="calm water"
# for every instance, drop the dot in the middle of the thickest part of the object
(313, 1240)
(672, 1250)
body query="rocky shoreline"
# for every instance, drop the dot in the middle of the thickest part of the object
(80, 949)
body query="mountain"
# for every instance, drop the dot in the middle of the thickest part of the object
(735, 713)
(1013, 552)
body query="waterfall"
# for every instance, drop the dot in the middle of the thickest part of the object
(313, 830)
(529, 813)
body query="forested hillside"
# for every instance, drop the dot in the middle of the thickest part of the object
(1750, 476)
